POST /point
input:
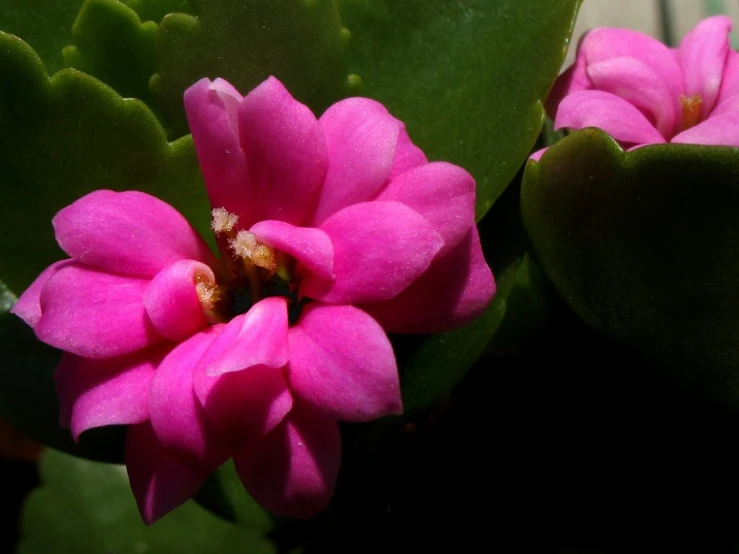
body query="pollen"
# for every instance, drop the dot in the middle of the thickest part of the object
(223, 221)
(246, 246)
(208, 293)
(691, 108)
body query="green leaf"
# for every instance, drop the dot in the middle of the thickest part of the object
(642, 245)
(468, 77)
(112, 44)
(431, 366)
(45, 24)
(64, 136)
(301, 42)
(86, 507)
(155, 10)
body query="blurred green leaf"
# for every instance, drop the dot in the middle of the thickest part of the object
(643, 247)
(301, 42)
(87, 507)
(45, 24)
(467, 77)
(112, 44)
(64, 136)
(155, 10)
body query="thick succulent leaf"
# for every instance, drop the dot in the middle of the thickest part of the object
(112, 44)
(27, 397)
(430, 366)
(87, 507)
(468, 78)
(64, 136)
(45, 25)
(155, 10)
(642, 245)
(300, 42)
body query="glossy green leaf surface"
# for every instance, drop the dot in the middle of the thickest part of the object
(642, 245)
(112, 44)
(155, 10)
(466, 77)
(85, 507)
(64, 136)
(301, 42)
(45, 25)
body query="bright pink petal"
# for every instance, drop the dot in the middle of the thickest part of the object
(311, 247)
(286, 153)
(93, 314)
(292, 472)
(536, 156)
(258, 337)
(176, 414)
(210, 109)
(600, 45)
(618, 118)
(160, 480)
(453, 292)
(28, 306)
(362, 139)
(641, 86)
(127, 233)
(730, 79)
(95, 393)
(702, 56)
(407, 155)
(443, 193)
(172, 301)
(379, 249)
(244, 405)
(342, 363)
(720, 130)
(574, 79)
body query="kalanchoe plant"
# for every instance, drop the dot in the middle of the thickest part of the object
(331, 232)
(642, 92)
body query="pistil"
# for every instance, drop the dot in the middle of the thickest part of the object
(691, 109)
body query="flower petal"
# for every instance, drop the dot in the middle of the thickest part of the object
(95, 393)
(258, 337)
(600, 45)
(362, 139)
(342, 363)
(379, 249)
(574, 79)
(176, 414)
(443, 193)
(94, 314)
(311, 247)
(286, 153)
(127, 233)
(245, 405)
(641, 86)
(171, 299)
(730, 78)
(702, 55)
(407, 155)
(292, 471)
(210, 109)
(453, 292)
(618, 118)
(160, 481)
(28, 306)
(722, 129)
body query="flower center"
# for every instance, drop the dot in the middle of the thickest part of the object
(691, 108)
(255, 271)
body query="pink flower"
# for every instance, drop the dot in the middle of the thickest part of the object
(642, 92)
(331, 232)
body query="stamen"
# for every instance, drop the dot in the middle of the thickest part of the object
(209, 296)
(691, 106)
(223, 221)
(245, 246)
